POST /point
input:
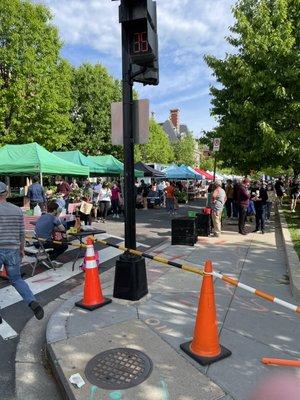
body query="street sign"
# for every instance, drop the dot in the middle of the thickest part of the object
(140, 111)
(216, 144)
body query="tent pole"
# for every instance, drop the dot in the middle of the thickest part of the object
(41, 178)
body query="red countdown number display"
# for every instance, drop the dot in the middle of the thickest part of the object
(140, 43)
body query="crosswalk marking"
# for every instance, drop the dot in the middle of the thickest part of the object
(6, 331)
(48, 279)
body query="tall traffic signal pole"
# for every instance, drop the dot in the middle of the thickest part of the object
(140, 64)
(128, 140)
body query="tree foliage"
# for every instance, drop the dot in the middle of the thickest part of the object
(158, 149)
(257, 98)
(184, 150)
(35, 95)
(94, 90)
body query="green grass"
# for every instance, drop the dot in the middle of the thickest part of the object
(293, 221)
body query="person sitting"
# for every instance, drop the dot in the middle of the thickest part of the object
(46, 226)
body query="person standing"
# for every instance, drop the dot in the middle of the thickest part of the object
(12, 241)
(96, 189)
(104, 200)
(115, 199)
(63, 189)
(271, 200)
(217, 204)
(144, 193)
(36, 194)
(229, 190)
(243, 197)
(74, 184)
(235, 207)
(279, 189)
(88, 190)
(294, 193)
(260, 201)
(170, 197)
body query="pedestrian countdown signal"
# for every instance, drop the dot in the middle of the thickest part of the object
(139, 19)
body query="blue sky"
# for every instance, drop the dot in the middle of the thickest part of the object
(188, 29)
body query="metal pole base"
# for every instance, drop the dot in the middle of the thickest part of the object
(130, 278)
(205, 360)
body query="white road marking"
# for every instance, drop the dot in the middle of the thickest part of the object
(6, 331)
(50, 278)
(104, 236)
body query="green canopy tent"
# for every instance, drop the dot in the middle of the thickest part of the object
(113, 164)
(31, 158)
(77, 157)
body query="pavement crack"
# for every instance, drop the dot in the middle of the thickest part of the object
(255, 340)
(234, 290)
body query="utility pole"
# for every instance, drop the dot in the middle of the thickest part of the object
(215, 166)
(128, 147)
(216, 148)
(139, 64)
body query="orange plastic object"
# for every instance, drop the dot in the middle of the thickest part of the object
(92, 293)
(205, 347)
(281, 361)
(206, 340)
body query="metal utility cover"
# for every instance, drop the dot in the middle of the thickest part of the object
(119, 368)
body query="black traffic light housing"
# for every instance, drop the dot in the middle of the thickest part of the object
(140, 21)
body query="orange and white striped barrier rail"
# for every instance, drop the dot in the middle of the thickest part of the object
(259, 293)
(198, 271)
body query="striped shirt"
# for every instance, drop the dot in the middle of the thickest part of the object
(12, 232)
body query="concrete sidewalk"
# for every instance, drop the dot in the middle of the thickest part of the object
(249, 326)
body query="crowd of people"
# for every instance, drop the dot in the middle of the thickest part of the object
(245, 199)
(234, 199)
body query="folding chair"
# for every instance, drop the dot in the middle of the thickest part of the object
(31, 261)
(39, 252)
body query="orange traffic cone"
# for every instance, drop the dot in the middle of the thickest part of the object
(205, 347)
(3, 273)
(92, 294)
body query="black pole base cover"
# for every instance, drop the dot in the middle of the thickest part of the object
(94, 306)
(205, 360)
(130, 278)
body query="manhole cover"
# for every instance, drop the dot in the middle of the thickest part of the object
(118, 369)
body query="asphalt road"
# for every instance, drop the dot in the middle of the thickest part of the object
(153, 227)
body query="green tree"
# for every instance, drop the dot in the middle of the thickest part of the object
(158, 149)
(184, 150)
(94, 90)
(207, 163)
(35, 95)
(257, 99)
(138, 149)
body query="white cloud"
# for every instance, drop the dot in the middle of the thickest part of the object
(188, 29)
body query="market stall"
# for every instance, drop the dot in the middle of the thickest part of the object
(149, 171)
(30, 159)
(115, 166)
(76, 157)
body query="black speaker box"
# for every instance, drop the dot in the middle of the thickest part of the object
(184, 231)
(203, 224)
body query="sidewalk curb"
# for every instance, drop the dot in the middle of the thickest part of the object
(59, 375)
(56, 331)
(30, 361)
(292, 259)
